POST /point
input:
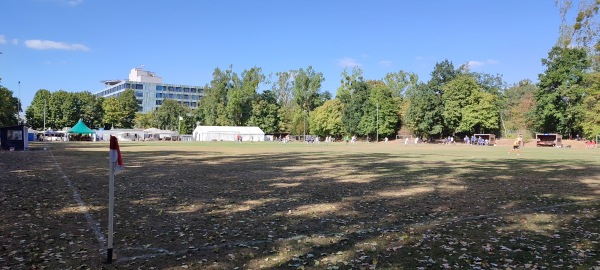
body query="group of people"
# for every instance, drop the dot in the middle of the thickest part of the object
(351, 140)
(406, 141)
(590, 144)
(239, 138)
(476, 140)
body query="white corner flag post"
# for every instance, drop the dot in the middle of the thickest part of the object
(115, 165)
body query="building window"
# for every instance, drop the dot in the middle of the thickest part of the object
(159, 95)
(159, 88)
(159, 102)
(140, 109)
(186, 96)
(139, 101)
(139, 94)
(193, 90)
(139, 86)
(186, 90)
(171, 88)
(177, 89)
(193, 104)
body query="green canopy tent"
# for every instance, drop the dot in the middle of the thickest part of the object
(81, 129)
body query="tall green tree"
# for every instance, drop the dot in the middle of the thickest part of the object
(380, 112)
(8, 107)
(355, 109)
(442, 73)
(424, 115)
(348, 78)
(458, 94)
(241, 94)
(90, 109)
(63, 110)
(307, 85)
(113, 113)
(215, 101)
(129, 107)
(581, 30)
(481, 115)
(265, 112)
(517, 106)
(432, 101)
(591, 105)
(144, 120)
(560, 95)
(282, 86)
(326, 120)
(399, 82)
(37, 111)
(167, 116)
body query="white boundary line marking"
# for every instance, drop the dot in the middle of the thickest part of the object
(82, 207)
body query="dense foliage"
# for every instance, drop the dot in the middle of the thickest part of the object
(8, 107)
(453, 102)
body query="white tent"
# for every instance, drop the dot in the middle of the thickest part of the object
(227, 133)
(121, 134)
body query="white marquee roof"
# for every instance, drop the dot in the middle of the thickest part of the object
(229, 129)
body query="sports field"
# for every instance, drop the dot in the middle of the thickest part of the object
(267, 205)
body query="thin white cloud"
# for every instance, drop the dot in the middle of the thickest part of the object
(74, 2)
(71, 3)
(476, 64)
(2, 39)
(54, 45)
(15, 41)
(348, 62)
(385, 63)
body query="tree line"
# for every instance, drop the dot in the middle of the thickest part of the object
(453, 102)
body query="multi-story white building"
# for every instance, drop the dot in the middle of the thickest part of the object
(150, 91)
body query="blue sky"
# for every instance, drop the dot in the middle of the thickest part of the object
(74, 44)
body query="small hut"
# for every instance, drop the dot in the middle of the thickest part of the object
(548, 139)
(486, 139)
(14, 138)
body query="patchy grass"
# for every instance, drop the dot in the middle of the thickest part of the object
(294, 206)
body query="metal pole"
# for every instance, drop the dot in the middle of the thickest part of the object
(377, 122)
(111, 206)
(304, 116)
(44, 114)
(19, 105)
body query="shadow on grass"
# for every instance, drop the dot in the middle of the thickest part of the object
(290, 209)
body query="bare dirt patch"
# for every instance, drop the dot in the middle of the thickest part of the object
(295, 206)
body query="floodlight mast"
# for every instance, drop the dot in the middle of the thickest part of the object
(377, 123)
(19, 105)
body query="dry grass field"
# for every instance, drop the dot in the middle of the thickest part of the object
(267, 205)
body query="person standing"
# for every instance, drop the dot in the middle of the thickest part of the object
(517, 145)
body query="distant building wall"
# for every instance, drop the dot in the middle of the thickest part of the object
(150, 92)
